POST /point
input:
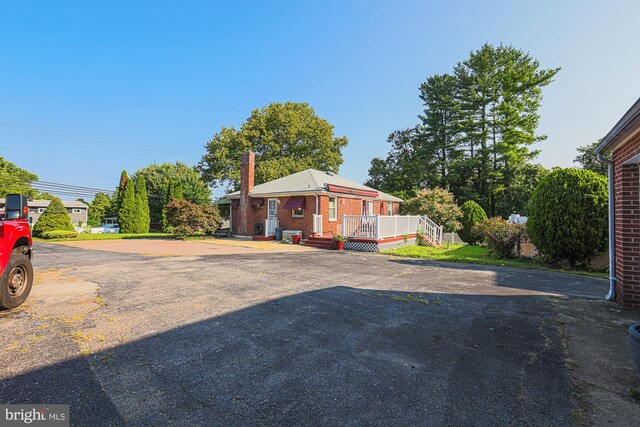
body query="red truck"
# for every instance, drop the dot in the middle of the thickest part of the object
(16, 253)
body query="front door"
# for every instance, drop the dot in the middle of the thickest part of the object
(272, 209)
(272, 217)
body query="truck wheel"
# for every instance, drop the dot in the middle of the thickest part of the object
(16, 281)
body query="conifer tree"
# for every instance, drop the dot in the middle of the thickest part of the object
(142, 205)
(55, 217)
(127, 214)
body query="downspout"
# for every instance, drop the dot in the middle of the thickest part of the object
(316, 204)
(612, 244)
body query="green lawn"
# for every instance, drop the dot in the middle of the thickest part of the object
(478, 255)
(110, 237)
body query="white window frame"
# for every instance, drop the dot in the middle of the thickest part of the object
(41, 210)
(335, 209)
(76, 210)
(390, 208)
(300, 215)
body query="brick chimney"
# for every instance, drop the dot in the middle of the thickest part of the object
(247, 165)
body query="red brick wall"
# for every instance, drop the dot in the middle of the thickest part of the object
(247, 166)
(627, 224)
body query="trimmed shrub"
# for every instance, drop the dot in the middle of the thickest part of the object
(500, 236)
(55, 217)
(188, 219)
(472, 214)
(568, 215)
(59, 234)
(438, 204)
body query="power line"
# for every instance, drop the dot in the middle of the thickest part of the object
(49, 183)
(120, 145)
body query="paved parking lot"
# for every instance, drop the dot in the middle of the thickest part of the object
(321, 337)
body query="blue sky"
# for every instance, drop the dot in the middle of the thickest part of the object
(89, 89)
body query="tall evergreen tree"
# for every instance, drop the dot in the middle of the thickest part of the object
(127, 214)
(439, 145)
(475, 135)
(142, 205)
(117, 195)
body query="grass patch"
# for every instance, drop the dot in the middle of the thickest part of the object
(121, 236)
(478, 255)
(107, 358)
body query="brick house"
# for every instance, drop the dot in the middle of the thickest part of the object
(310, 201)
(623, 144)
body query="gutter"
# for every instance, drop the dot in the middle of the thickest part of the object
(612, 244)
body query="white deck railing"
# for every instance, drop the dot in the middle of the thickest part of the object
(380, 227)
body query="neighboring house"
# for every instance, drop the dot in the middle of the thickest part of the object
(319, 205)
(78, 211)
(623, 143)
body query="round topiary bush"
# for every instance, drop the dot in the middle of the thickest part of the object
(55, 217)
(568, 215)
(472, 214)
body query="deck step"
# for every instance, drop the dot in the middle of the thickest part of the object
(319, 242)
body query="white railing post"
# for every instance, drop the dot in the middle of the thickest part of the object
(344, 230)
(377, 227)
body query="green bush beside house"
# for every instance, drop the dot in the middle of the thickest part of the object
(568, 215)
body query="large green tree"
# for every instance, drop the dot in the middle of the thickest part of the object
(587, 159)
(158, 176)
(286, 138)
(475, 134)
(499, 91)
(99, 208)
(15, 180)
(438, 204)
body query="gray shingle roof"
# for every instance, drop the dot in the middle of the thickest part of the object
(310, 181)
(40, 203)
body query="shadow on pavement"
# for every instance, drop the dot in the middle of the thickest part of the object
(532, 280)
(332, 356)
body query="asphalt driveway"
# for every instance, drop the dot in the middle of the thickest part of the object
(320, 337)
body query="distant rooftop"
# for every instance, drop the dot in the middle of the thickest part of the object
(41, 203)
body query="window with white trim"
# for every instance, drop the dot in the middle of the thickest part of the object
(333, 208)
(77, 211)
(370, 208)
(297, 213)
(390, 208)
(40, 210)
